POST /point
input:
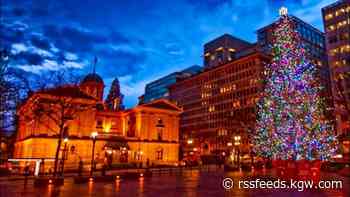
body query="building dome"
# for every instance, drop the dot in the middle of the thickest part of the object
(92, 77)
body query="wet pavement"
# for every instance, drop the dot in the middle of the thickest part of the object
(189, 183)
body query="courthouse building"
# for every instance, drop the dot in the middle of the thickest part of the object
(147, 132)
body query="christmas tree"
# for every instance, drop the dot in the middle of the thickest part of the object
(291, 122)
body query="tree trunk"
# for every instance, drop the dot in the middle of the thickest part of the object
(58, 150)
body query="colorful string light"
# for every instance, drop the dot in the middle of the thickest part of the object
(291, 122)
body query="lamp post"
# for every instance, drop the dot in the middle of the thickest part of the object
(237, 143)
(64, 155)
(93, 136)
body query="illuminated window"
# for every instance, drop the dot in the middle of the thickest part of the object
(330, 28)
(236, 104)
(329, 16)
(211, 109)
(220, 55)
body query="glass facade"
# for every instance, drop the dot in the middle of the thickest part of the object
(313, 39)
(159, 88)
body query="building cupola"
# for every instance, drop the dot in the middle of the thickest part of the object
(93, 84)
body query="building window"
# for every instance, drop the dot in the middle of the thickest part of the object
(159, 134)
(138, 155)
(206, 58)
(220, 55)
(99, 124)
(160, 127)
(159, 154)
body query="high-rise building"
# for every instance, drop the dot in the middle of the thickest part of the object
(336, 19)
(159, 88)
(313, 40)
(220, 103)
(222, 50)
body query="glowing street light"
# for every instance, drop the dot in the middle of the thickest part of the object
(237, 140)
(93, 136)
(189, 141)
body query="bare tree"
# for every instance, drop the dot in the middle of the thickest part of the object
(8, 95)
(55, 109)
(53, 104)
(17, 85)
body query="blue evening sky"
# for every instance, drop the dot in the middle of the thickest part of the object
(135, 40)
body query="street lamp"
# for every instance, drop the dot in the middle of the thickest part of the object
(237, 143)
(189, 141)
(65, 152)
(93, 136)
(237, 140)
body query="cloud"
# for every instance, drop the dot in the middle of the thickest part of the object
(114, 63)
(50, 65)
(41, 52)
(134, 40)
(18, 48)
(70, 56)
(40, 42)
(10, 33)
(18, 12)
(311, 12)
(29, 58)
(46, 65)
(72, 38)
(72, 64)
(131, 89)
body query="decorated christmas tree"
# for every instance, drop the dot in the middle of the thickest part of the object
(291, 121)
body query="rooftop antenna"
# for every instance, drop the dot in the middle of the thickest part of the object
(94, 65)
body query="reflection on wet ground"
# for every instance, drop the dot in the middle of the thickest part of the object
(189, 183)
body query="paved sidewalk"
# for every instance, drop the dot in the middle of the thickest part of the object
(116, 172)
